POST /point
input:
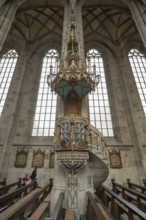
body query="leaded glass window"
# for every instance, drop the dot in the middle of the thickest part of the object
(7, 66)
(45, 113)
(99, 108)
(138, 65)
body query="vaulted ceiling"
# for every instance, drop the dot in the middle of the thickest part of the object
(34, 24)
(110, 20)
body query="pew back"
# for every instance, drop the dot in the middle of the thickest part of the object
(118, 205)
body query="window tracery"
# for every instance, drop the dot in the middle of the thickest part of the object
(99, 108)
(7, 66)
(45, 113)
(138, 65)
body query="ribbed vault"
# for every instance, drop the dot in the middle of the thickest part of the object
(35, 23)
(110, 21)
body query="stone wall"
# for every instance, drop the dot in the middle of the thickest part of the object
(43, 174)
(127, 114)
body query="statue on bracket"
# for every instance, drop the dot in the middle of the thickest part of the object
(38, 158)
(21, 158)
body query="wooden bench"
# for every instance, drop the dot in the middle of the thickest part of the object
(144, 182)
(5, 189)
(69, 214)
(118, 205)
(59, 211)
(136, 186)
(138, 198)
(96, 210)
(25, 206)
(42, 209)
(83, 217)
(3, 182)
(8, 199)
(10, 213)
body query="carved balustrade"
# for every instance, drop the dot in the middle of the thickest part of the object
(74, 132)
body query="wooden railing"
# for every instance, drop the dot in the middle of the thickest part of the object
(69, 214)
(43, 209)
(95, 209)
(82, 217)
(3, 182)
(5, 189)
(8, 199)
(118, 205)
(59, 211)
(136, 186)
(130, 195)
(144, 182)
(26, 206)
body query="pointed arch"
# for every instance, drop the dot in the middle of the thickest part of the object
(7, 67)
(45, 112)
(99, 107)
(138, 64)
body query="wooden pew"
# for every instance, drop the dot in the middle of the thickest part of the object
(136, 186)
(130, 195)
(69, 214)
(10, 213)
(96, 210)
(5, 189)
(8, 199)
(82, 217)
(144, 182)
(25, 206)
(3, 182)
(118, 205)
(43, 209)
(59, 211)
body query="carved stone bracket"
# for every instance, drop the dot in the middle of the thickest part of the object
(72, 161)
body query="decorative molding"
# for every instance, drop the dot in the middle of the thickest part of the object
(115, 159)
(38, 158)
(21, 158)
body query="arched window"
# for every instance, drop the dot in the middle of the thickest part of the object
(45, 114)
(99, 108)
(138, 65)
(7, 67)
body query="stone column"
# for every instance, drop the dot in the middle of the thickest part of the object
(77, 9)
(138, 11)
(134, 116)
(14, 101)
(7, 13)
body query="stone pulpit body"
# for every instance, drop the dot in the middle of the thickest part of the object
(80, 152)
